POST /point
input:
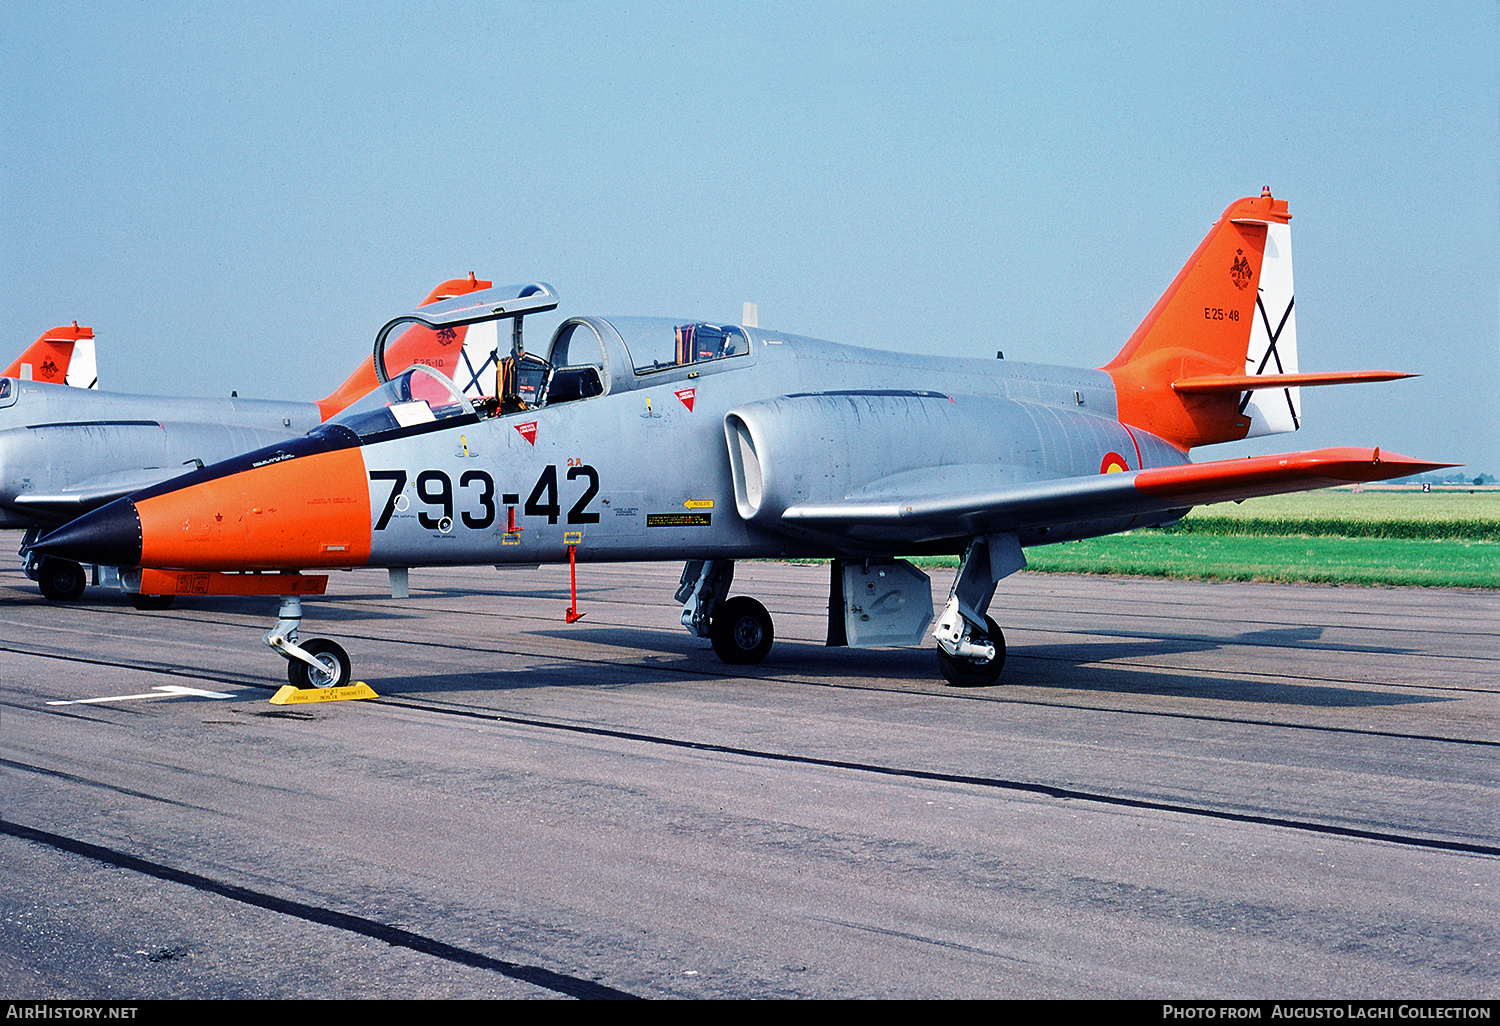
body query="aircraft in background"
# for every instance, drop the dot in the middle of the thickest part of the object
(65, 451)
(651, 439)
(62, 356)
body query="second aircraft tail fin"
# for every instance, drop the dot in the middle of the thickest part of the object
(441, 349)
(62, 356)
(1204, 325)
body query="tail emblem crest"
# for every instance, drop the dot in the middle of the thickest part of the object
(1240, 270)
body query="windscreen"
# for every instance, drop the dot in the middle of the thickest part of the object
(419, 398)
(657, 344)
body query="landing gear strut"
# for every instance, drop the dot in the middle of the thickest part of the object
(319, 663)
(971, 649)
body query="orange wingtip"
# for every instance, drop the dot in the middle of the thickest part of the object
(1209, 385)
(1255, 476)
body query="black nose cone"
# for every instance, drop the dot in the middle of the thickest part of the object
(109, 536)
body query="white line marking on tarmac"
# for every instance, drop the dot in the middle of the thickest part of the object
(168, 691)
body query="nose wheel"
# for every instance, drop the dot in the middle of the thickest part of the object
(333, 669)
(319, 663)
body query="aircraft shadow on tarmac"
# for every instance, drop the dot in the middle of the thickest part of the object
(260, 608)
(654, 656)
(1103, 664)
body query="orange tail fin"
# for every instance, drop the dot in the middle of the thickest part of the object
(1202, 328)
(417, 344)
(49, 357)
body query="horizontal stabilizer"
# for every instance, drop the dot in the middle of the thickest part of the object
(1081, 500)
(1236, 383)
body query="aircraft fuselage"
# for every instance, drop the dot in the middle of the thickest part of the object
(60, 445)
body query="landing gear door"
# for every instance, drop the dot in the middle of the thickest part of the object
(886, 603)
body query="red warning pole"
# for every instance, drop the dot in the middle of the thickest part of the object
(573, 615)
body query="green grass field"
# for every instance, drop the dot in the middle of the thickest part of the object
(1378, 536)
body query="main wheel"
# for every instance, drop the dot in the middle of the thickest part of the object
(61, 580)
(151, 601)
(741, 630)
(335, 661)
(975, 673)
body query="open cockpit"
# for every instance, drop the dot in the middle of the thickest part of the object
(586, 356)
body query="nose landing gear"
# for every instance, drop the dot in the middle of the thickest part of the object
(319, 663)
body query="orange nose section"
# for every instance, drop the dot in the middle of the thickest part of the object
(306, 511)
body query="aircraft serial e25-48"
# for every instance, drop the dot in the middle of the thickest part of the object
(65, 451)
(650, 439)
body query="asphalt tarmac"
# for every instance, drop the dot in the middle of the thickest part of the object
(1178, 790)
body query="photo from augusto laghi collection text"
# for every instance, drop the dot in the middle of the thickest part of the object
(1262, 1010)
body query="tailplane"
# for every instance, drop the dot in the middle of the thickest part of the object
(62, 356)
(1216, 359)
(443, 349)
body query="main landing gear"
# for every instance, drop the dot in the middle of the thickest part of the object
(892, 607)
(984, 659)
(318, 663)
(971, 649)
(61, 580)
(739, 628)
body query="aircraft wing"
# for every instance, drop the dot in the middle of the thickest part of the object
(78, 499)
(1152, 495)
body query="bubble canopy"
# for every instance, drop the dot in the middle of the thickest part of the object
(418, 399)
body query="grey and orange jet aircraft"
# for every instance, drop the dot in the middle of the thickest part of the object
(649, 439)
(64, 451)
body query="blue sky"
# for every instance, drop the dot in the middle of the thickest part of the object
(238, 196)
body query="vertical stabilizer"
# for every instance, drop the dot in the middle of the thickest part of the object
(1209, 324)
(440, 349)
(83, 370)
(61, 356)
(476, 367)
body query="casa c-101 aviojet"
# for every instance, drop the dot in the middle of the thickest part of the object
(64, 451)
(647, 439)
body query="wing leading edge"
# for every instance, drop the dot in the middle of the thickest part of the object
(1061, 503)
